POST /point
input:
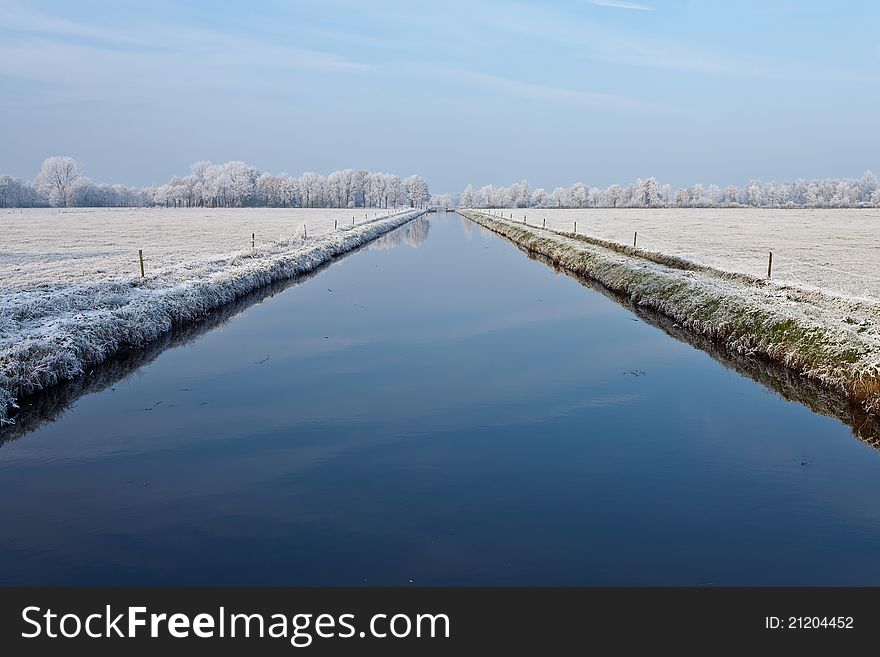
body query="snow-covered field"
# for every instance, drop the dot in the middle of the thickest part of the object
(71, 293)
(837, 251)
(53, 246)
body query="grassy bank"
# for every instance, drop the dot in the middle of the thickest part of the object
(829, 339)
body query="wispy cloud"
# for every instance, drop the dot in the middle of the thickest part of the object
(601, 42)
(621, 5)
(91, 52)
(549, 93)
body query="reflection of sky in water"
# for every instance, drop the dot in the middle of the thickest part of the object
(452, 413)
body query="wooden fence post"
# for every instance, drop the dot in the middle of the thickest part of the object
(141, 258)
(635, 237)
(770, 266)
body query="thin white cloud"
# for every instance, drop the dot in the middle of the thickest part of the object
(171, 47)
(549, 93)
(538, 91)
(18, 18)
(602, 42)
(621, 5)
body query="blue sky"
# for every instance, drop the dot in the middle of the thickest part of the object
(482, 92)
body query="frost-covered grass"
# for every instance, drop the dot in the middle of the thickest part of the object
(831, 339)
(836, 251)
(48, 245)
(70, 287)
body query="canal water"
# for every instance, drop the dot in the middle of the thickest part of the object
(435, 409)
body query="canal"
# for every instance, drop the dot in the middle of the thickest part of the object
(434, 409)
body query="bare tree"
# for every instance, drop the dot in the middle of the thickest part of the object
(58, 179)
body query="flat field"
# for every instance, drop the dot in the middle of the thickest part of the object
(837, 251)
(87, 245)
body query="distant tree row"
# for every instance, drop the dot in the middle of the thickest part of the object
(236, 184)
(648, 193)
(61, 183)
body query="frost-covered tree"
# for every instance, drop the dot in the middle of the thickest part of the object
(443, 200)
(647, 192)
(468, 197)
(867, 186)
(361, 187)
(730, 195)
(613, 196)
(713, 195)
(237, 184)
(310, 184)
(58, 179)
(539, 197)
(415, 190)
(682, 198)
(755, 193)
(558, 197)
(340, 186)
(8, 187)
(577, 195)
(519, 194)
(16, 193)
(485, 196)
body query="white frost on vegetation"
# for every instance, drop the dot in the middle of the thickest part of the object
(71, 289)
(835, 251)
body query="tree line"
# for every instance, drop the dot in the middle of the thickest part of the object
(648, 193)
(62, 183)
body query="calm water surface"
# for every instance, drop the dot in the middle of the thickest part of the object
(438, 409)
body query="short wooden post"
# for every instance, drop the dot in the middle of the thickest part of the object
(575, 226)
(770, 266)
(335, 224)
(305, 231)
(635, 237)
(253, 240)
(545, 223)
(141, 258)
(352, 221)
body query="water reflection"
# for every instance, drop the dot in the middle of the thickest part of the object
(413, 234)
